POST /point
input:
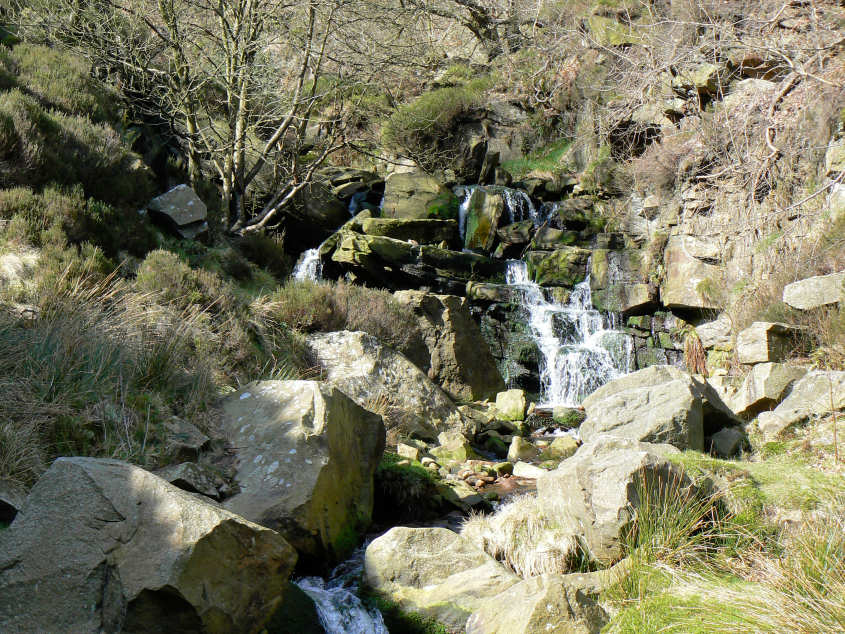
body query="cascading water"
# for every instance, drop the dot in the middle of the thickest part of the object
(517, 203)
(309, 267)
(338, 606)
(579, 352)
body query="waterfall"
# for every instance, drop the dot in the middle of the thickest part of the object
(309, 266)
(517, 203)
(463, 209)
(338, 606)
(579, 352)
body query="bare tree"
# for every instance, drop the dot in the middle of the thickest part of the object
(238, 82)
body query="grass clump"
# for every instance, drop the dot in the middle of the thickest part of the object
(526, 539)
(546, 159)
(404, 491)
(325, 307)
(421, 129)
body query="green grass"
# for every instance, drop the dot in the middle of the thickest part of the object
(401, 622)
(547, 159)
(404, 491)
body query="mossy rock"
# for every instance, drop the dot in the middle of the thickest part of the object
(566, 266)
(296, 614)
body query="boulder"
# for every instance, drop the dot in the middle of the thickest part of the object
(511, 404)
(516, 233)
(414, 195)
(182, 210)
(764, 342)
(195, 478)
(453, 447)
(728, 442)
(184, 440)
(686, 277)
(716, 333)
(547, 604)
(101, 545)
(305, 459)
(527, 470)
(501, 293)
(483, 211)
(566, 266)
(817, 393)
(521, 449)
(408, 451)
(763, 388)
(659, 404)
(459, 359)
(422, 231)
(12, 498)
(433, 572)
(593, 495)
(813, 292)
(561, 448)
(319, 208)
(360, 366)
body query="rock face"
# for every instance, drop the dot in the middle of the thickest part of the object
(593, 493)
(417, 195)
(814, 292)
(687, 276)
(182, 209)
(421, 231)
(101, 545)
(306, 454)
(550, 603)
(818, 393)
(360, 366)
(434, 572)
(483, 212)
(659, 404)
(716, 333)
(763, 387)
(764, 341)
(460, 360)
(617, 284)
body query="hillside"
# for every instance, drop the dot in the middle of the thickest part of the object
(422, 316)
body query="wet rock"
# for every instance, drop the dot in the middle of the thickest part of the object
(566, 266)
(360, 366)
(511, 404)
(306, 455)
(434, 572)
(101, 545)
(484, 209)
(416, 195)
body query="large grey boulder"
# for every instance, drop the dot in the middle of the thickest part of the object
(817, 393)
(764, 341)
(716, 333)
(101, 545)
(546, 604)
(182, 209)
(594, 494)
(687, 277)
(659, 404)
(306, 454)
(763, 388)
(813, 292)
(434, 572)
(460, 360)
(366, 370)
(417, 195)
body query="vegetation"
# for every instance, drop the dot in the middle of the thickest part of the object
(406, 491)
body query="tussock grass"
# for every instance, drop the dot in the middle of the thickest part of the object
(525, 538)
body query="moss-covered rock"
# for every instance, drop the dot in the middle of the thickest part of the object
(416, 195)
(423, 231)
(566, 266)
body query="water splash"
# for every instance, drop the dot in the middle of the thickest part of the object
(580, 352)
(309, 266)
(338, 606)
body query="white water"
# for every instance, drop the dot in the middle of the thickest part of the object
(309, 266)
(338, 606)
(579, 353)
(517, 203)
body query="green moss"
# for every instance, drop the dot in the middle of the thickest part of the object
(407, 491)
(399, 621)
(444, 207)
(546, 159)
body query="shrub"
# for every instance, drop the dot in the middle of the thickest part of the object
(40, 147)
(63, 81)
(326, 307)
(267, 251)
(422, 129)
(36, 218)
